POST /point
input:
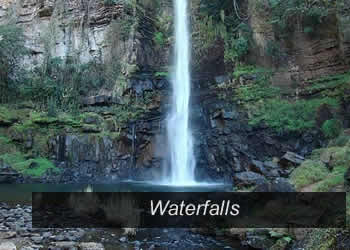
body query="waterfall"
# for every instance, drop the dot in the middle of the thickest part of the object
(179, 134)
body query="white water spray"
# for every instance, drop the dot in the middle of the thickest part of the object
(179, 134)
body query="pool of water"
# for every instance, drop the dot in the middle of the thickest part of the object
(21, 193)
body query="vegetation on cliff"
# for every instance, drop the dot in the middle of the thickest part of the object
(282, 110)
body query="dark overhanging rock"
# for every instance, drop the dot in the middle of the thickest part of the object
(291, 158)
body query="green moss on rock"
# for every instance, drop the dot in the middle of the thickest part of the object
(308, 173)
(35, 167)
(7, 116)
(43, 119)
(90, 128)
(91, 118)
(13, 158)
(31, 167)
(325, 169)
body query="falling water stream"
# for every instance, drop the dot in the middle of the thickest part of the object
(179, 133)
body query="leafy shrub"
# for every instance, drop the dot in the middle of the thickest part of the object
(6, 146)
(59, 85)
(261, 73)
(286, 13)
(159, 38)
(283, 115)
(222, 21)
(236, 49)
(334, 85)
(332, 128)
(341, 141)
(257, 92)
(266, 104)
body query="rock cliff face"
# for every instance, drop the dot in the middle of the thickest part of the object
(307, 56)
(84, 28)
(87, 30)
(226, 147)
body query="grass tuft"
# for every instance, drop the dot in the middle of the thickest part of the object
(308, 173)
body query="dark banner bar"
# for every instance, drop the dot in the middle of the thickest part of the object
(189, 210)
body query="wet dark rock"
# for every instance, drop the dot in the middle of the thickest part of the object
(7, 122)
(92, 119)
(29, 141)
(91, 129)
(7, 174)
(229, 115)
(45, 11)
(258, 167)
(139, 86)
(246, 179)
(277, 185)
(270, 165)
(162, 84)
(33, 165)
(259, 239)
(222, 79)
(59, 238)
(100, 100)
(291, 158)
(37, 239)
(323, 114)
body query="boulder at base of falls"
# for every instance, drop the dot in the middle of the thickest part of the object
(267, 170)
(291, 158)
(248, 178)
(277, 185)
